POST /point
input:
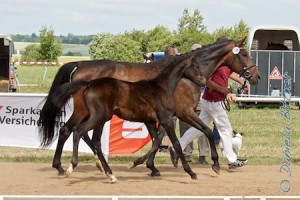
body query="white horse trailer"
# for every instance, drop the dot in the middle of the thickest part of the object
(275, 65)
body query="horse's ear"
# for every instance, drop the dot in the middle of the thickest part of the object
(241, 42)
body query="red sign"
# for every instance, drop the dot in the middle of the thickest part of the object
(275, 74)
(126, 137)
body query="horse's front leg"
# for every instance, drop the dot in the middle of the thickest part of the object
(150, 161)
(151, 126)
(193, 120)
(169, 127)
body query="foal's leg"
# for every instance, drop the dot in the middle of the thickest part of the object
(78, 132)
(193, 119)
(88, 141)
(169, 127)
(97, 144)
(155, 144)
(150, 161)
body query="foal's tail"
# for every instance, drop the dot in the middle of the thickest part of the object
(48, 120)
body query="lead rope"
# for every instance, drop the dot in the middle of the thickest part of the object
(226, 105)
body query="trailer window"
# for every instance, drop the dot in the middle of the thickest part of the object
(288, 44)
(255, 44)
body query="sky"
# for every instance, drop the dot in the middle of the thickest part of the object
(89, 17)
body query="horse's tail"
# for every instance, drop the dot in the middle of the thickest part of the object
(64, 92)
(63, 75)
(48, 121)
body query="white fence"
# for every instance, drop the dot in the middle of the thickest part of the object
(18, 197)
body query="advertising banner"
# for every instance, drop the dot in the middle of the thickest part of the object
(19, 114)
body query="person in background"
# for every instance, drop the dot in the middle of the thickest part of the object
(203, 144)
(170, 50)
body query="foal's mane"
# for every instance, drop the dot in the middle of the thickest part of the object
(170, 62)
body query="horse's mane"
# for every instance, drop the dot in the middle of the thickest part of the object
(209, 52)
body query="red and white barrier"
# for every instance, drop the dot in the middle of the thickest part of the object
(38, 63)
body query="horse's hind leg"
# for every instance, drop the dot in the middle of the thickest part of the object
(97, 144)
(88, 141)
(64, 134)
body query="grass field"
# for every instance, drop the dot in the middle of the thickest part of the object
(262, 144)
(38, 79)
(83, 49)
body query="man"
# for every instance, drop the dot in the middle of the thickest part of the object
(212, 110)
(203, 144)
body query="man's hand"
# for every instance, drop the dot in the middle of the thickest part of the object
(231, 97)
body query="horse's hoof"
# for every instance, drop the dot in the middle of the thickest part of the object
(216, 169)
(61, 173)
(155, 174)
(131, 165)
(112, 178)
(194, 176)
(68, 173)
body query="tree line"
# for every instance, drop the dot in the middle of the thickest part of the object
(69, 39)
(130, 45)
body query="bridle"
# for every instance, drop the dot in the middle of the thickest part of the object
(245, 72)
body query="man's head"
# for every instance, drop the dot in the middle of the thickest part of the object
(171, 50)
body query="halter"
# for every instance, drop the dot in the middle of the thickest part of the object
(245, 72)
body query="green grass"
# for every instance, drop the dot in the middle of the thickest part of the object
(262, 144)
(31, 77)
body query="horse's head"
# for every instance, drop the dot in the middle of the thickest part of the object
(276, 46)
(148, 59)
(240, 61)
(224, 52)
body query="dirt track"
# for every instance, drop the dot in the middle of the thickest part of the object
(41, 179)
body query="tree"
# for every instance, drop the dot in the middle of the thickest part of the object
(194, 22)
(158, 38)
(31, 53)
(240, 30)
(191, 30)
(49, 50)
(99, 46)
(115, 47)
(222, 32)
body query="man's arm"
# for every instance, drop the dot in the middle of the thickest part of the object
(233, 76)
(214, 86)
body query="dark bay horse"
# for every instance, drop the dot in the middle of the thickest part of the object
(211, 56)
(276, 46)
